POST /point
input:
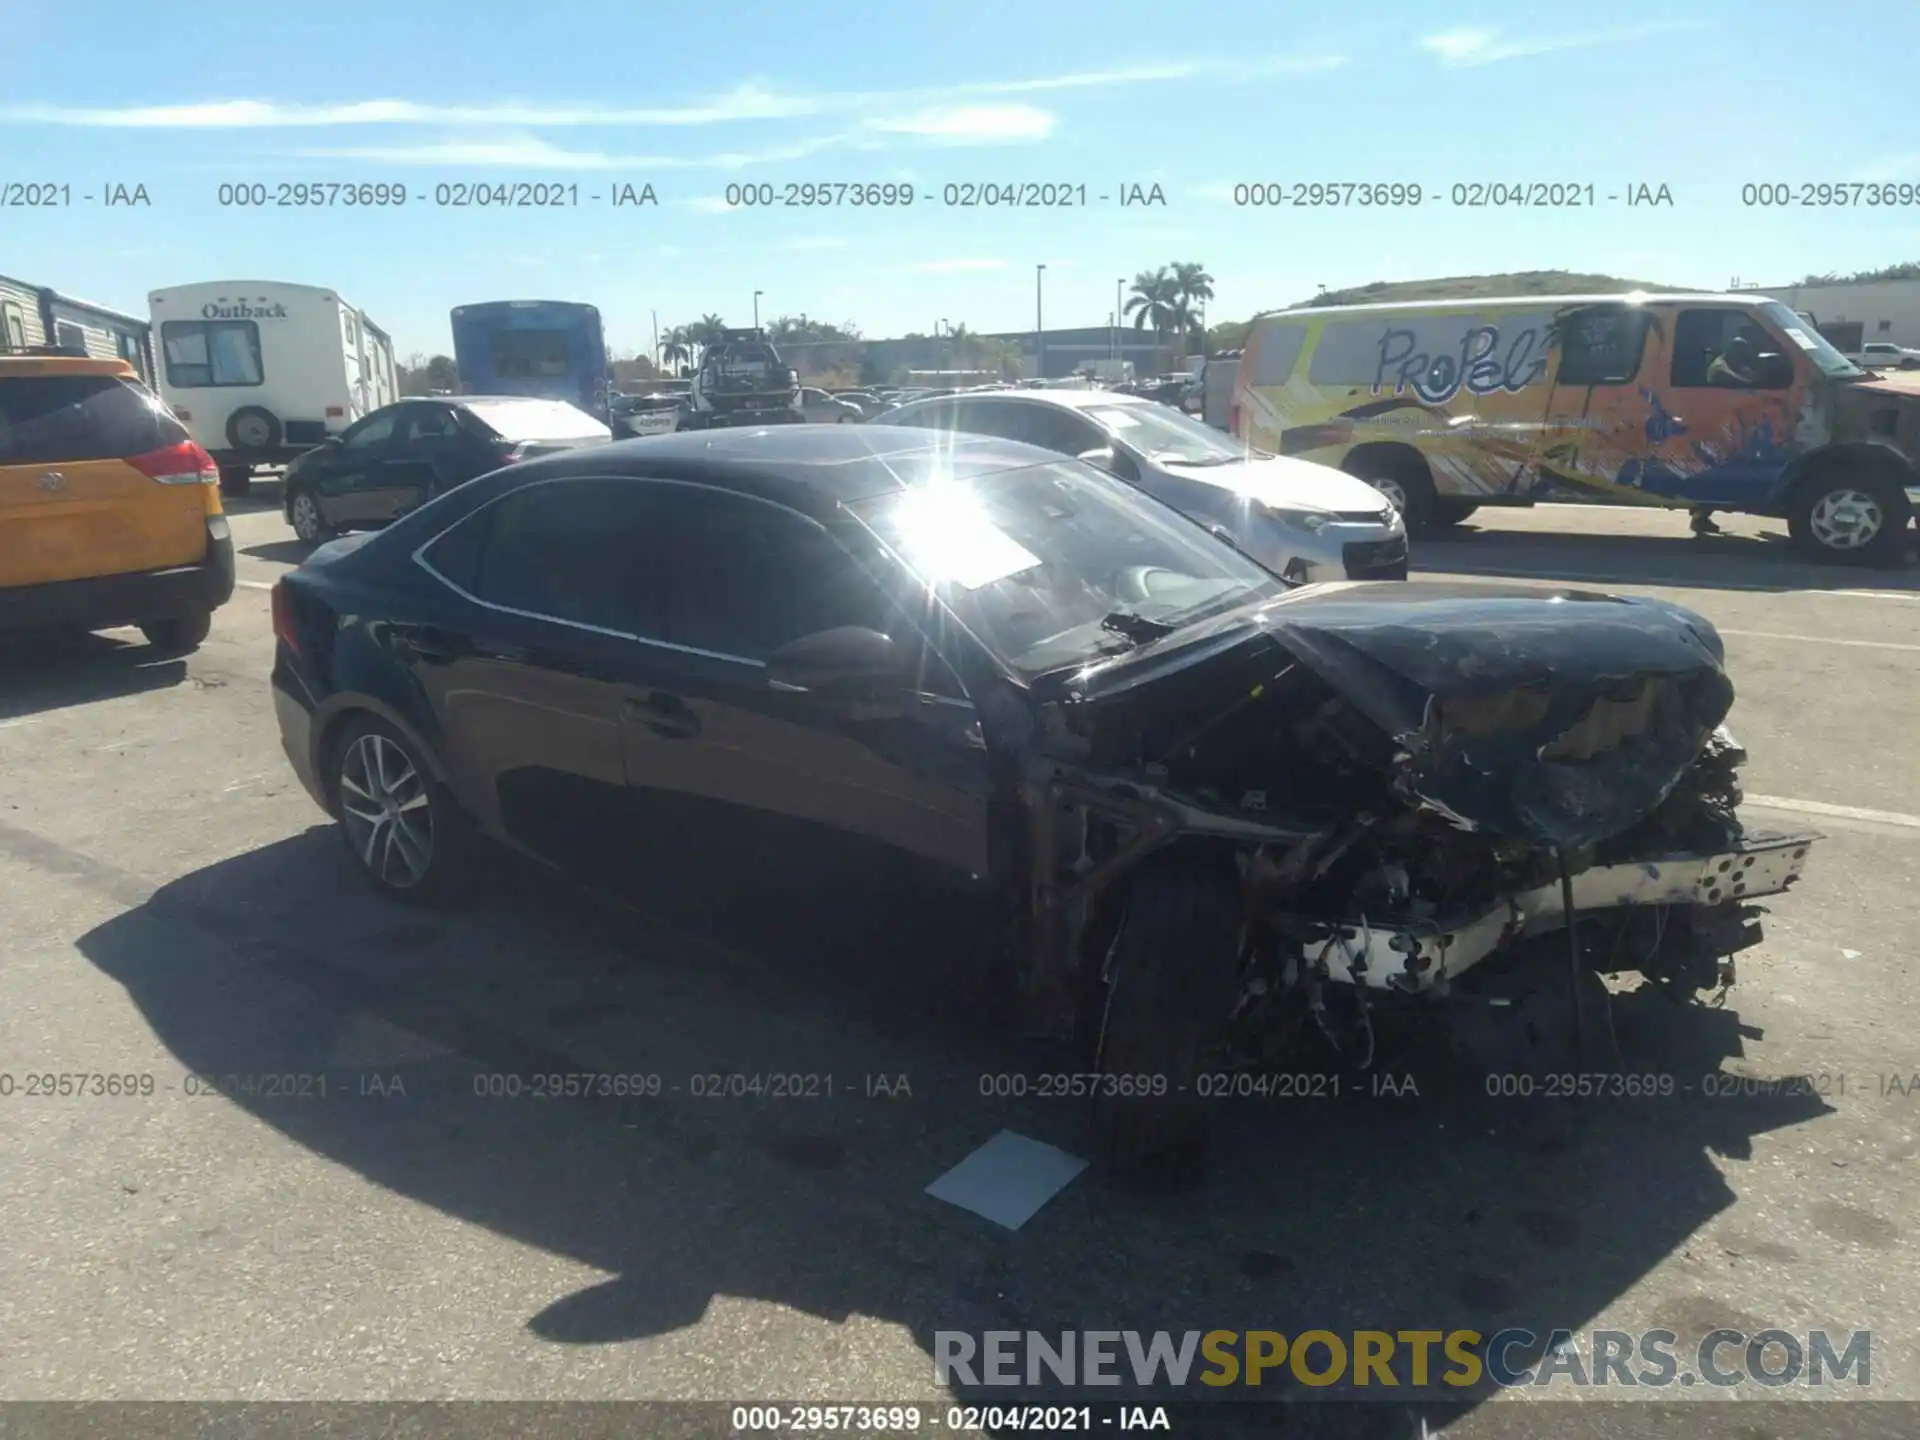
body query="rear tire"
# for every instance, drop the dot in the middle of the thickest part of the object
(404, 832)
(1402, 477)
(1448, 512)
(303, 513)
(236, 480)
(179, 634)
(1840, 517)
(1173, 974)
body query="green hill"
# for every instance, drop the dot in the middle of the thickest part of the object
(1480, 287)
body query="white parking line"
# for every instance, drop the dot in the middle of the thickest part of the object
(1837, 812)
(1818, 639)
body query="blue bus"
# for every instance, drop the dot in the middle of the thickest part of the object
(552, 349)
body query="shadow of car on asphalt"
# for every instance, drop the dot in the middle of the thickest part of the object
(43, 671)
(280, 552)
(1442, 1211)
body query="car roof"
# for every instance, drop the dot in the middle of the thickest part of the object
(1076, 399)
(17, 365)
(813, 469)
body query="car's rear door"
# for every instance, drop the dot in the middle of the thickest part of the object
(72, 506)
(526, 667)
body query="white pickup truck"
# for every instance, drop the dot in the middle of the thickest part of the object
(1878, 355)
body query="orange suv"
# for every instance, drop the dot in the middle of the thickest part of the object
(109, 512)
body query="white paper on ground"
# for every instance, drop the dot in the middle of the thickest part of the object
(1008, 1179)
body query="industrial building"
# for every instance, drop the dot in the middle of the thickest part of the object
(1853, 314)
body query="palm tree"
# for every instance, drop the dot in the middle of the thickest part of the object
(1154, 303)
(1194, 287)
(707, 330)
(676, 347)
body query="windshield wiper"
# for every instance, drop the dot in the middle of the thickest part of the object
(1137, 628)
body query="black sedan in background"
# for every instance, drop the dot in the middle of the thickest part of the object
(400, 456)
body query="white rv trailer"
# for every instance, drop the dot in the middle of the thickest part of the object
(260, 370)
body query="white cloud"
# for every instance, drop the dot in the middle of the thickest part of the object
(971, 124)
(528, 152)
(943, 267)
(746, 102)
(1485, 45)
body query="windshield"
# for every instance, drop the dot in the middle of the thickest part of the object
(1054, 565)
(1163, 434)
(535, 419)
(1802, 333)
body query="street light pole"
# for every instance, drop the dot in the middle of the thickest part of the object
(1039, 326)
(756, 308)
(1119, 311)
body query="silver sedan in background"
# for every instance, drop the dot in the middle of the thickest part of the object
(1303, 521)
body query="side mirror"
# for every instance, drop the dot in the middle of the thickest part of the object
(849, 662)
(1101, 457)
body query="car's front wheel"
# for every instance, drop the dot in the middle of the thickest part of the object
(400, 824)
(303, 512)
(1847, 518)
(1171, 979)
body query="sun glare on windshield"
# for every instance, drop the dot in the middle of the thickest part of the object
(948, 538)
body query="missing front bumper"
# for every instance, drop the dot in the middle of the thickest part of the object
(1424, 958)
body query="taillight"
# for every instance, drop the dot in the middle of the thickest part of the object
(512, 451)
(182, 464)
(335, 412)
(283, 630)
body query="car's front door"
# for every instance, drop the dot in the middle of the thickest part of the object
(843, 823)
(345, 485)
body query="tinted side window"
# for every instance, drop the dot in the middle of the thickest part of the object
(1602, 346)
(54, 419)
(1059, 430)
(374, 430)
(663, 562)
(746, 578)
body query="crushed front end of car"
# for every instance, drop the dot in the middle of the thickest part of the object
(1371, 799)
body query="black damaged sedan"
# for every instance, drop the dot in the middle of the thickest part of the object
(956, 686)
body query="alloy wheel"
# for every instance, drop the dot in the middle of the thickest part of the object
(1846, 519)
(1395, 492)
(386, 811)
(307, 523)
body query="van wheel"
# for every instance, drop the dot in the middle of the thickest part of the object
(1172, 975)
(253, 428)
(236, 480)
(1447, 511)
(179, 634)
(1845, 518)
(303, 513)
(1401, 477)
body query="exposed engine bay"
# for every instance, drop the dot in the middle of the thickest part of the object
(1411, 794)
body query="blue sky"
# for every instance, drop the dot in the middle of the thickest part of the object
(690, 98)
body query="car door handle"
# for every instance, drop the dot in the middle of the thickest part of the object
(430, 642)
(667, 716)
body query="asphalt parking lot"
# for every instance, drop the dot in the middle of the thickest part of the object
(175, 906)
